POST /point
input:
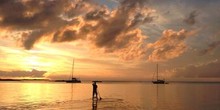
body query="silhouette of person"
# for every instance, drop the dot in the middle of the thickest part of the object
(94, 93)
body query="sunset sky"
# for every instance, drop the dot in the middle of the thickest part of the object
(110, 39)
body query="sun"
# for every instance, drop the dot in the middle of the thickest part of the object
(32, 62)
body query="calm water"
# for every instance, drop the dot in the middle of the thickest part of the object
(116, 96)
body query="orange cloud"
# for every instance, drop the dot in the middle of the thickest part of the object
(170, 45)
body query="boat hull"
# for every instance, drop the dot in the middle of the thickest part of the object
(159, 82)
(73, 81)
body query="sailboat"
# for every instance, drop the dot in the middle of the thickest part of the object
(73, 80)
(159, 81)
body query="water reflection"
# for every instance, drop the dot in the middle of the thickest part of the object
(71, 92)
(95, 95)
(94, 103)
(117, 96)
(160, 98)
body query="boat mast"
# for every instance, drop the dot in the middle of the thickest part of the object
(157, 71)
(72, 68)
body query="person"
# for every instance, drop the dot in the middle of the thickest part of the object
(94, 93)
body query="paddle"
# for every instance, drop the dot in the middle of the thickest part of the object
(100, 98)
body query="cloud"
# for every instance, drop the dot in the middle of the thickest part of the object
(39, 18)
(33, 73)
(191, 18)
(118, 31)
(67, 35)
(31, 14)
(208, 70)
(116, 28)
(210, 48)
(114, 31)
(170, 45)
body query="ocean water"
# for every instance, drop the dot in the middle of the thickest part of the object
(115, 96)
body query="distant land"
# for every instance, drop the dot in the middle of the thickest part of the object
(104, 81)
(24, 79)
(10, 80)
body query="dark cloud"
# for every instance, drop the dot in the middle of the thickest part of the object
(118, 31)
(67, 35)
(132, 3)
(36, 16)
(211, 47)
(31, 14)
(80, 7)
(191, 18)
(29, 40)
(111, 26)
(115, 30)
(33, 73)
(209, 70)
(96, 14)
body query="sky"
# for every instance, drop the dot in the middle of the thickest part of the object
(110, 39)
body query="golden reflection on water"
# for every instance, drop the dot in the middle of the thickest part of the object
(34, 92)
(47, 91)
(117, 96)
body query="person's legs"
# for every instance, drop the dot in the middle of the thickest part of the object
(96, 94)
(93, 94)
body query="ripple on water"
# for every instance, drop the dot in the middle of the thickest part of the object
(104, 104)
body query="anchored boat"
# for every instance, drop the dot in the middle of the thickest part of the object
(73, 80)
(159, 81)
